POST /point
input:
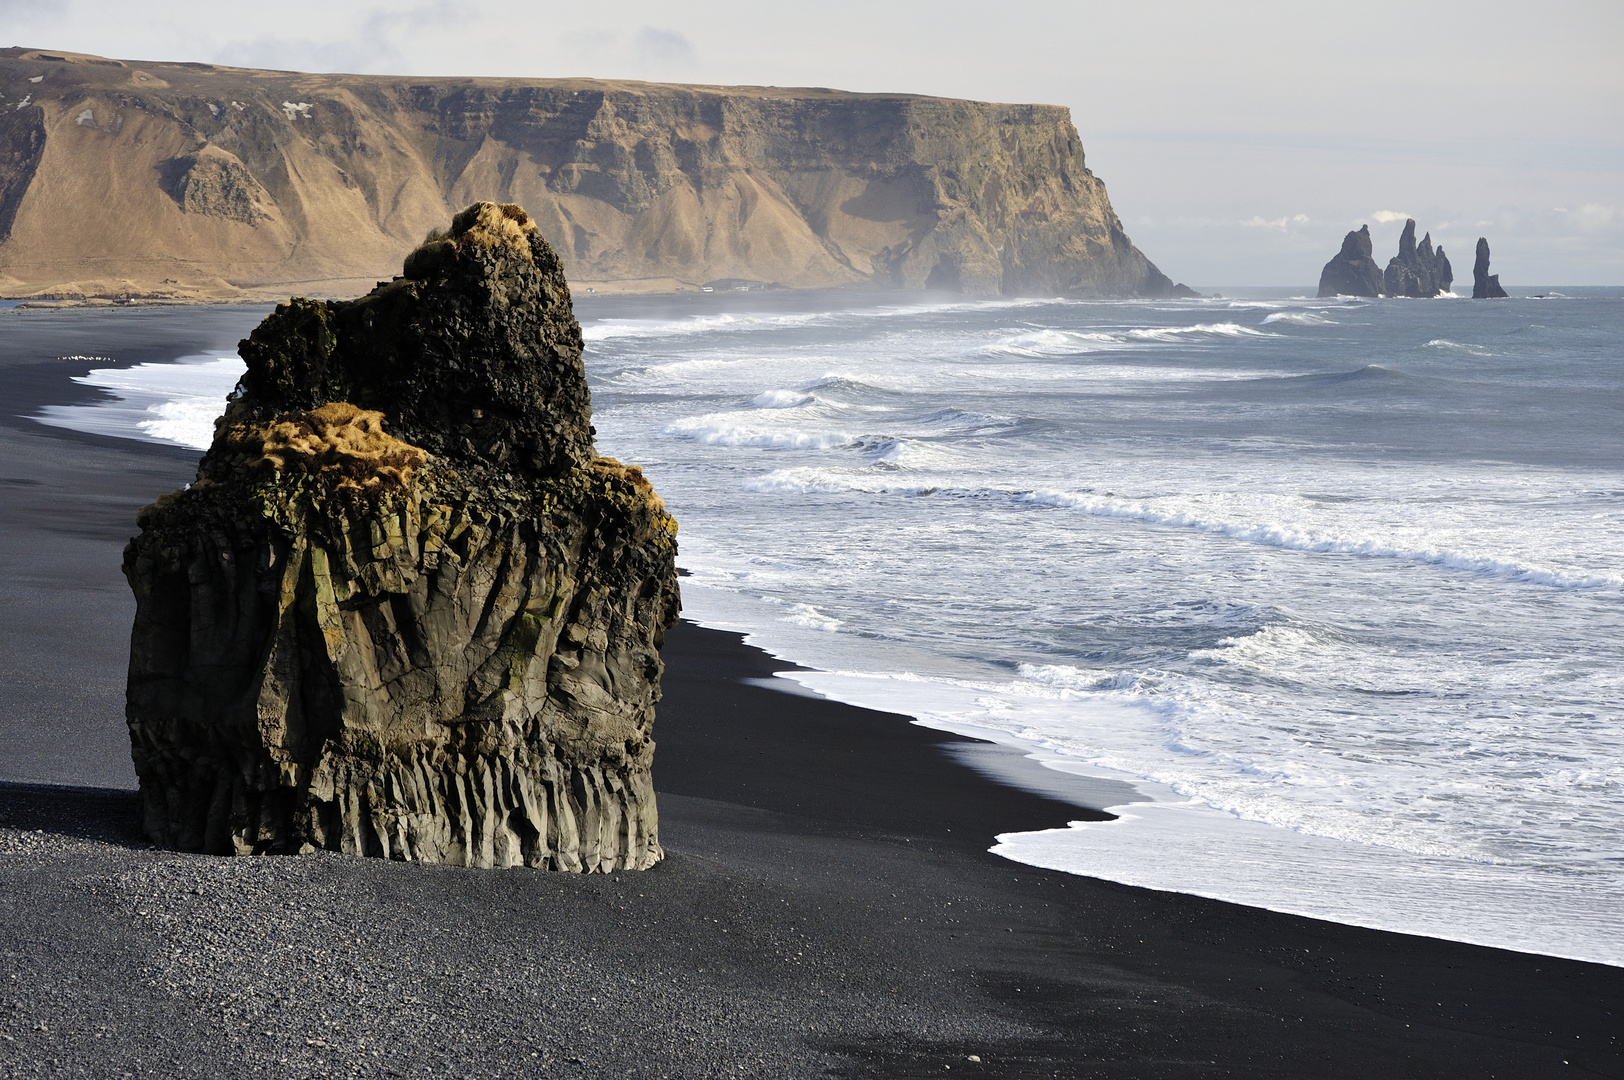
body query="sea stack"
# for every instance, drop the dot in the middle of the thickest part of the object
(1417, 270)
(1485, 286)
(1353, 272)
(406, 610)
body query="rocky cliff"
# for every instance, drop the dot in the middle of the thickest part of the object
(405, 610)
(1353, 272)
(195, 181)
(1485, 286)
(1417, 270)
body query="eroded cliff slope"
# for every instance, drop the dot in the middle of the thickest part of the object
(188, 180)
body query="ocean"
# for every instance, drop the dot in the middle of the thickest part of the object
(1336, 586)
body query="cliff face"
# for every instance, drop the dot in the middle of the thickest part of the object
(405, 610)
(194, 180)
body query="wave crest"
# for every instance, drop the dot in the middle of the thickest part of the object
(1179, 333)
(729, 431)
(1270, 534)
(1298, 318)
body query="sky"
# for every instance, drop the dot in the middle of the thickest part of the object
(1238, 141)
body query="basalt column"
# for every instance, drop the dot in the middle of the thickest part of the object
(406, 610)
(1485, 286)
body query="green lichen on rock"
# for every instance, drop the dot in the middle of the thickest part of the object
(386, 627)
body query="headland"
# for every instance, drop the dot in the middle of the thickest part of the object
(129, 181)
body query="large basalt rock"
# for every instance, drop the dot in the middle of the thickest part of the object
(1353, 272)
(1417, 270)
(1485, 286)
(405, 610)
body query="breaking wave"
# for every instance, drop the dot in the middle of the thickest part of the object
(1272, 534)
(1298, 318)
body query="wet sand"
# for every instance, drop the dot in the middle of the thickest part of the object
(827, 906)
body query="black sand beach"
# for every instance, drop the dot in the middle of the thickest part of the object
(827, 906)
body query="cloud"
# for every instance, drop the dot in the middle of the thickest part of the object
(20, 8)
(648, 52)
(373, 45)
(18, 13)
(1387, 217)
(1283, 223)
(663, 48)
(1593, 217)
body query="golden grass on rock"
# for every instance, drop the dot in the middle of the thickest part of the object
(338, 441)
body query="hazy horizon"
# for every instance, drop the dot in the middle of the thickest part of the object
(1238, 144)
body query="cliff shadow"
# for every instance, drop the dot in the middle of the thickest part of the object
(104, 815)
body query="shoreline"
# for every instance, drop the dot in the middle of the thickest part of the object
(817, 853)
(1118, 855)
(828, 907)
(1009, 760)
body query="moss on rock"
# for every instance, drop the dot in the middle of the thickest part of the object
(438, 641)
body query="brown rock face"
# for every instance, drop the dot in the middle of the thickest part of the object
(405, 610)
(191, 180)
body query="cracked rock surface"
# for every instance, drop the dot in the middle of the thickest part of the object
(405, 610)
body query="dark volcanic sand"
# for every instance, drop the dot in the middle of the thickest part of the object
(827, 908)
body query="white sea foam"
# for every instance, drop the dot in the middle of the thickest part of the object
(781, 399)
(729, 429)
(1189, 847)
(608, 329)
(611, 329)
(188, 423)
(810, 617)
(1298, 318)
(1175, 333)
(1279, 535)
(1456, 346)
(1068, 678)
(1043, 343)
(172, 403)
(828, 481)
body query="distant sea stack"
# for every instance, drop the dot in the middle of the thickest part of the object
(1353, 272)
(1417, 270)
(189, 181)
(405, 610)
(1485, 286)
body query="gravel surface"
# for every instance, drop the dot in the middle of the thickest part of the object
(124, 960)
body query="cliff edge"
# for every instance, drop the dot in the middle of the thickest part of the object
(405, 610)
(190, 181)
